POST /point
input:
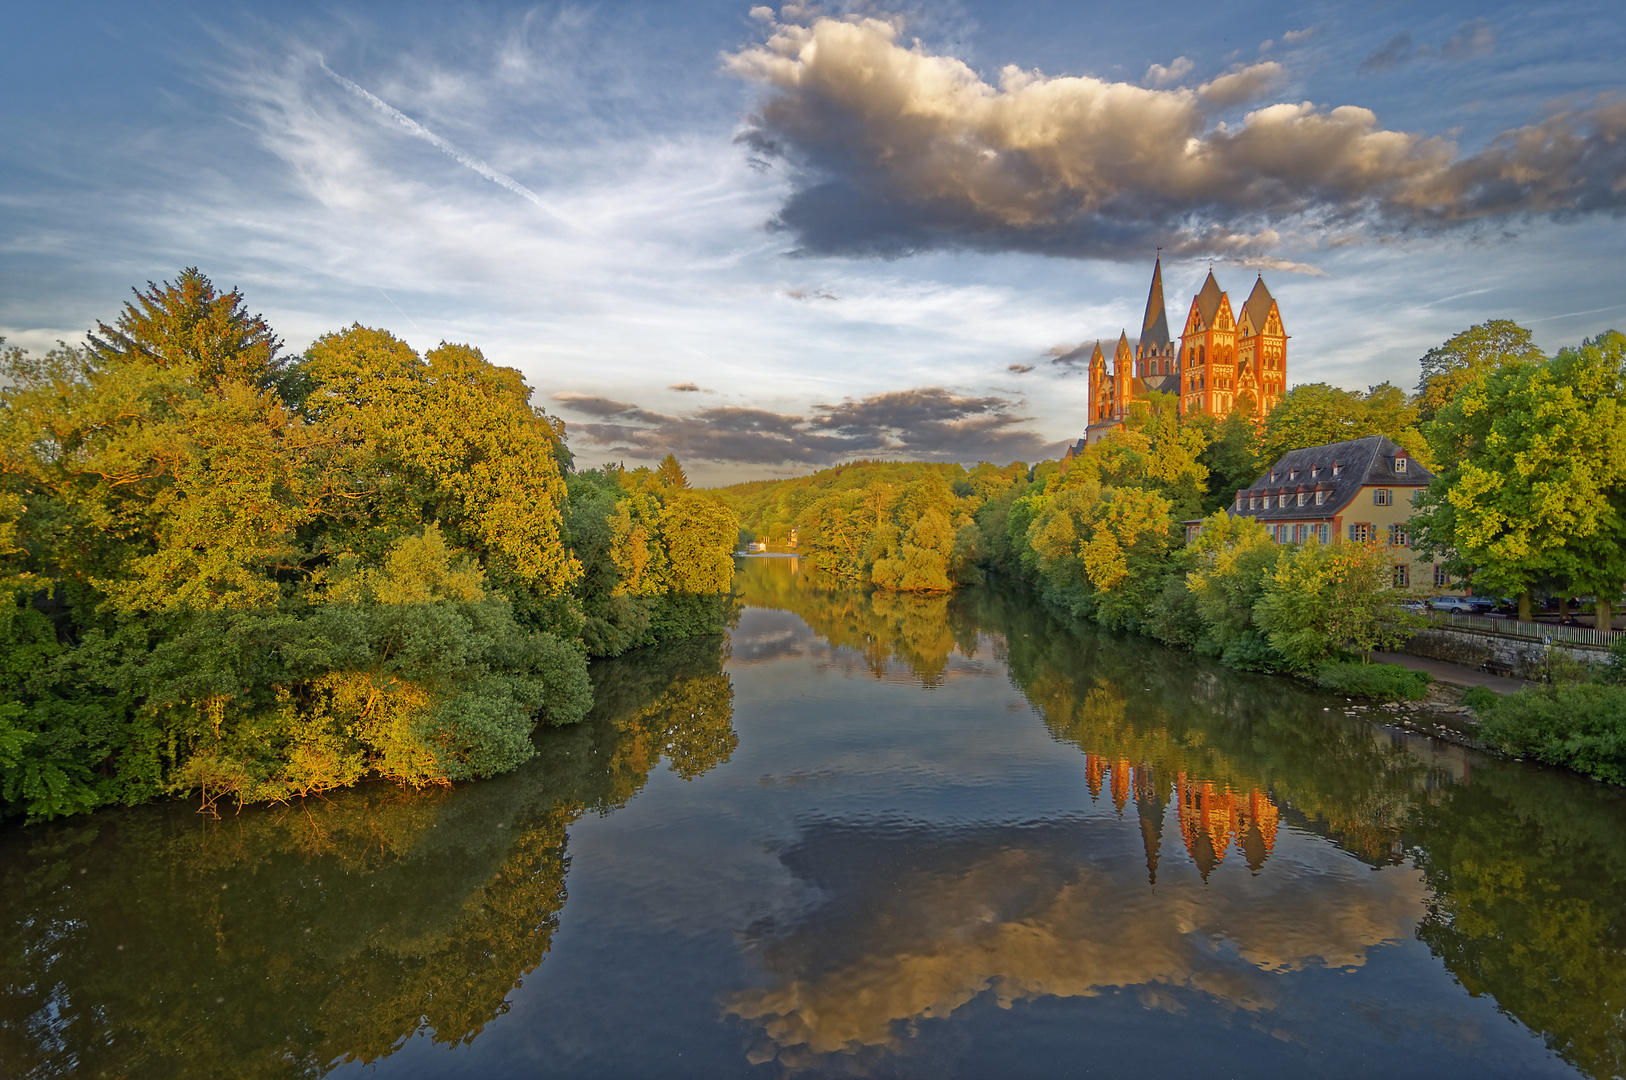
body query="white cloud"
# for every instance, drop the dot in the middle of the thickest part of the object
(1160, 76)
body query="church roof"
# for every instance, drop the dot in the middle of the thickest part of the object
(1257, 308)
(1154, 328)
(1208, 300)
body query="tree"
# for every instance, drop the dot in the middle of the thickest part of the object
(189, 327)
(1538, 461)
(1312, 414)
(450, 438)
(1321, 597)
(671, 473)
(1448, 367)
(1231, 456)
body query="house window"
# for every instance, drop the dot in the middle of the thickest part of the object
(1300, 532)
(1320, 497)
(1315, 471)
(1323, 532)
(1360, 532)
(1400, 464)
(1292, 474)
(1382, 497)
(1253, 502)
(1337, 468)
(1239, 500)
(1440, 576)
(1402, 576)
(1398, 536)
(1301, 498)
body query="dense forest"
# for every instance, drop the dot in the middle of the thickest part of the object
(239, 573)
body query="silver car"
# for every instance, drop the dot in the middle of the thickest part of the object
(1451, 603)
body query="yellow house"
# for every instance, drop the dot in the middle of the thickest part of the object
(1360, 490)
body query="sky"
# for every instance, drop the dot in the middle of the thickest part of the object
(771, 239)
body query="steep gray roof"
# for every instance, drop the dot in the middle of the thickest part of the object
(1208, 301)
(1258, 304)
(1362, 462)
(1154, 328)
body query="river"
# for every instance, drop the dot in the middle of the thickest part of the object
(871, 835)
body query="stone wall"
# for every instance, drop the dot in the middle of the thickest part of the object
(1520, 658)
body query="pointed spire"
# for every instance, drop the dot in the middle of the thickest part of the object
(1257, 307)
(1154, 328)
(1208, 300)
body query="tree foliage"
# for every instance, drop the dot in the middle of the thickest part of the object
(244, 575)
(1452, 365)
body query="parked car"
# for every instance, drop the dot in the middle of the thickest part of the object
(1415, 607)
(1451, 603)
(1482, 605)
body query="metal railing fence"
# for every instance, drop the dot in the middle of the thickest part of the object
(1544, 632)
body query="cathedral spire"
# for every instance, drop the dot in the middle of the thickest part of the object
(1154, 328)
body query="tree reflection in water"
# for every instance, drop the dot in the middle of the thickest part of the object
(283, 941)
(1522, 891)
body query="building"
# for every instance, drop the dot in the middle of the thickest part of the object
(1221, 357)
(1360, 490)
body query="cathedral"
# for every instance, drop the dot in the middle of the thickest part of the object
(1223, 354)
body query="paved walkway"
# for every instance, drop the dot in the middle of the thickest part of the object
(1455, 674)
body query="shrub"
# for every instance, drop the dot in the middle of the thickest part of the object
(1481, 699)
(1389, 682)
(1579, 727)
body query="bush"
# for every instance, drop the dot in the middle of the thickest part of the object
(1388, 682)
(1579, 727)
(1481, 699)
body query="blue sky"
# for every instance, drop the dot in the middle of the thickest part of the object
(767, 239)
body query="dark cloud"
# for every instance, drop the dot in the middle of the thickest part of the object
(1071, 355)
(1019, 369)
(1394, 52)
(1472, 39)
(894, 150)
(803, 294)
(685, 387)
(928, 423)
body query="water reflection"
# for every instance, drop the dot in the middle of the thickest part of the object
(943, 818)
(281, 942)
(1515, 877)
(919, 922)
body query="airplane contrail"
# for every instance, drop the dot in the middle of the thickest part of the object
(467, 160)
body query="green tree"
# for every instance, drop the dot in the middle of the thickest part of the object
(1313, 414)
(1538, 458)
(1324, 597)
(1450, 366)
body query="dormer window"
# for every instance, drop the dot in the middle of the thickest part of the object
(1337, 467)
(1400, 465)
(1292, 474)
(1272, 478)
(1315, 471)
(1301, 498)
(1253, 502)
(1320, 497)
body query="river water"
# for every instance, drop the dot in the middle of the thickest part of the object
(859, 836)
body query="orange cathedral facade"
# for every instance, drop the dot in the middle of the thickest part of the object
(1224, 353)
